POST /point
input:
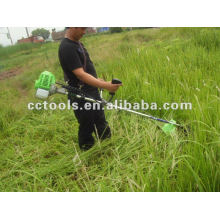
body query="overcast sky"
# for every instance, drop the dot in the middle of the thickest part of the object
(19, 32)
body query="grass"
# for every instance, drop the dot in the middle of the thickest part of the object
(39, 151)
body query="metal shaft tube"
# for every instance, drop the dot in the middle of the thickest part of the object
(142, 114)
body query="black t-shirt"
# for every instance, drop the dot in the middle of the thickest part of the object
(71, 57)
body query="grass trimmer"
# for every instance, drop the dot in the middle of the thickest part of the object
(46, 86)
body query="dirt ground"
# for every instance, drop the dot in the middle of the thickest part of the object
(10, 73)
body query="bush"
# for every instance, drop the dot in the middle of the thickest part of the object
(116, 29)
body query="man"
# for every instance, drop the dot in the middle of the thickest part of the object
(80, 73)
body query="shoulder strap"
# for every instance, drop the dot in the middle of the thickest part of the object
(84, 55)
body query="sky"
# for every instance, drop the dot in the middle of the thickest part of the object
(19, 32)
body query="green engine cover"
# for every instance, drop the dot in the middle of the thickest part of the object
(45, 81)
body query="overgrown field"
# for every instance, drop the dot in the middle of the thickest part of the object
(39, 150)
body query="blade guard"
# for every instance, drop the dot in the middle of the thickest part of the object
(169, 129)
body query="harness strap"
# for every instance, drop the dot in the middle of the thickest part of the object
(84, 55)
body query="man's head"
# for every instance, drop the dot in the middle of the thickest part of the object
(75, 33)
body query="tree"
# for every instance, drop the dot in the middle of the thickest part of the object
(41, 32)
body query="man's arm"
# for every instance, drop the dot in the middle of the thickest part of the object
(92, 81)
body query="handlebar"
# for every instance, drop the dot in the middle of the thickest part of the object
(115, 81)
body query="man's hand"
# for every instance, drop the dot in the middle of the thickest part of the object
(112, 87)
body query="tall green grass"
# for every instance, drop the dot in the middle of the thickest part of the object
(5, 52)
(39, 150)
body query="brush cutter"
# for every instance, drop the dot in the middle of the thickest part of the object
(46, 85)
